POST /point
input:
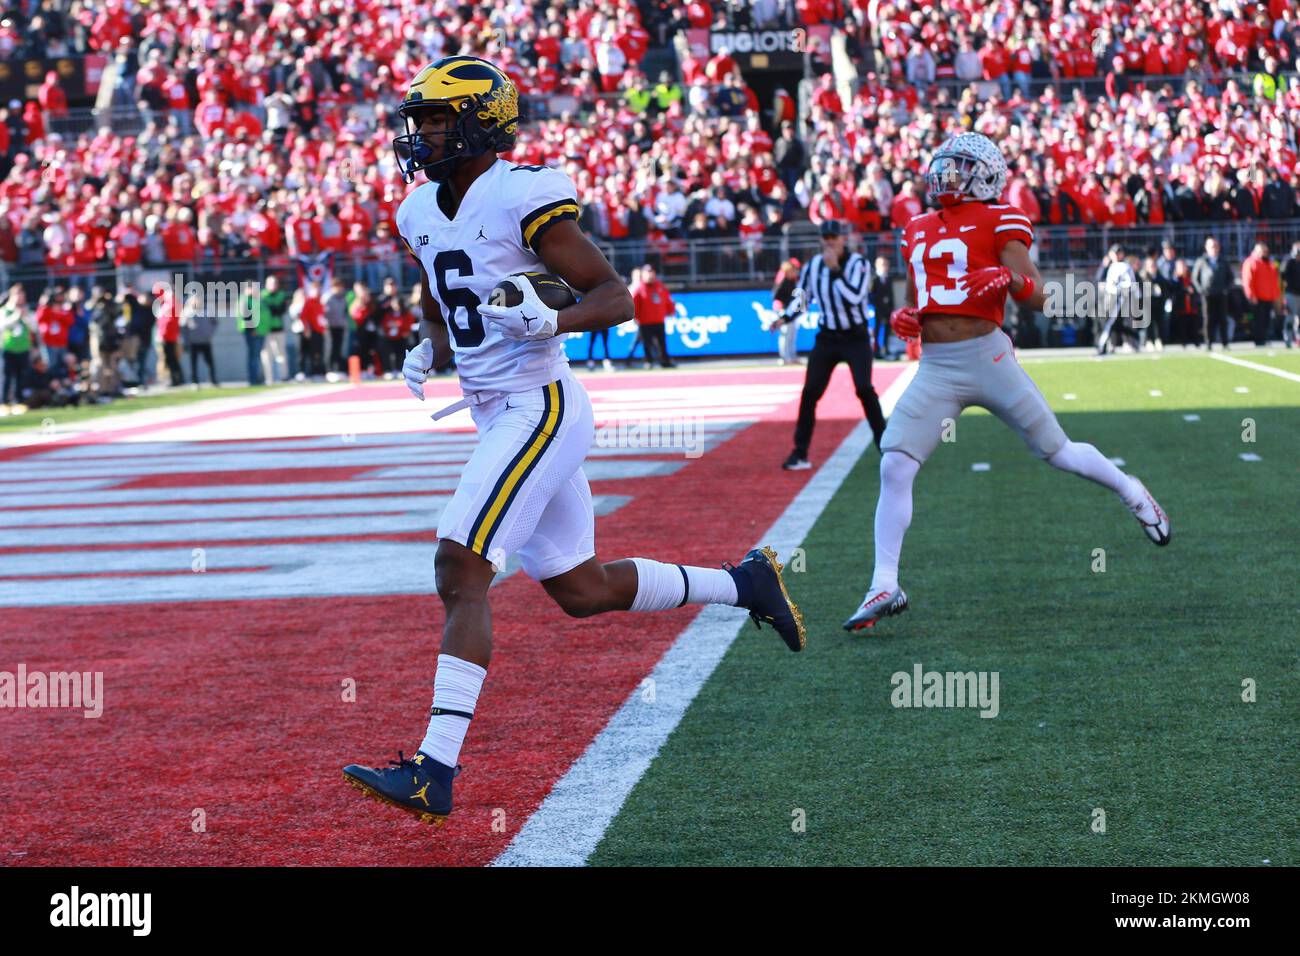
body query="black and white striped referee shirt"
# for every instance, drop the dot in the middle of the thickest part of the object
(841, 295)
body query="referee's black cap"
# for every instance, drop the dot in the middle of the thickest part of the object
(834, 227)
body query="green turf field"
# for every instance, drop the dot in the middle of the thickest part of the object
(1119, 690)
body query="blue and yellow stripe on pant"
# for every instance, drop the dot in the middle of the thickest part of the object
(516, 473)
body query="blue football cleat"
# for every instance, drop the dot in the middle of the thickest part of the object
(761, 590)
(420, 785)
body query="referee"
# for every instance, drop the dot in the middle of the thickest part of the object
(839, 281)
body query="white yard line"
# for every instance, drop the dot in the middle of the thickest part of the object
(1289, 376)
(567, 827)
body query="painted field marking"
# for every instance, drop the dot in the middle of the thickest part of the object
(572, 820)
(1289, 376)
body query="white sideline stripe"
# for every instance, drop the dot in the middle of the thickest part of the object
(1280, 373)
(572, 820)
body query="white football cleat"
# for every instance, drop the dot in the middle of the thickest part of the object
(876, 605)
(1152, 518)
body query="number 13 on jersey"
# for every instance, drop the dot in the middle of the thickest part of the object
(949, 259)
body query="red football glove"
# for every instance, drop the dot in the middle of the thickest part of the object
(906, 323)
(985, 282)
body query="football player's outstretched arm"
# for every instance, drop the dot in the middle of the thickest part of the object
(1015, 256)
(569, 254)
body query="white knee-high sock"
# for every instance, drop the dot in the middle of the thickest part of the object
(893, 515)
(455, 688)
(1080, 458)
(660, 586)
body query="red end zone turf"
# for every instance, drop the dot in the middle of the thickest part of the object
(235, 708)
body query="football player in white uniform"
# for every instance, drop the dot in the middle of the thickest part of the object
(523, 491)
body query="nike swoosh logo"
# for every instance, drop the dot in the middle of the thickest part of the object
(967, 228)
(1000, 357)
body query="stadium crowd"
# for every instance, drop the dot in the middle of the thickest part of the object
(265, 128)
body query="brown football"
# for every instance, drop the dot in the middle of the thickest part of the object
(552, 290)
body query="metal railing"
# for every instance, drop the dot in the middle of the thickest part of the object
(702, 263)
(722, 262)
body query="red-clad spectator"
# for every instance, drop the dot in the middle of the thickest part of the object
(180, 241)
(813, 12)
(211, 114)
(1120, 210)
(109, 28)
(755, 139)
(751, 230)
(313, 312)
(1261, 282)
(692, 71)
(329, 231)
(905, 207)
(995, 61)
(177, 98)
(80, 261)
(1021, 195)
(545, 79)
(264, 234)
(308, 315)
(54, 319)
(54, 102)
(699, 14)
(34, 120)
(828, 97)
(720, 66)
(241, 124)
(168, 313)
(300, 233)
(652, 305)
(353, 216)
(126, 241)
(864, 214)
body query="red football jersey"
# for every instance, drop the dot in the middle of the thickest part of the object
(942, 246)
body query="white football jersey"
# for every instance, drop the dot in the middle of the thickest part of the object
(500, 220)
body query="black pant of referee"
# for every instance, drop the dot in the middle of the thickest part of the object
(832, 347)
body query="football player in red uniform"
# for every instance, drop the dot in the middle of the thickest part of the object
(963, 259)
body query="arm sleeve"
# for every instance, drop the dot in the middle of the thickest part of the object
(551, 198)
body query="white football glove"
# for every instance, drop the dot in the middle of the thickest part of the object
(531, 319)
(415, 369)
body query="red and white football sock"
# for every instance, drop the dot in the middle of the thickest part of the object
(893, 515)
(455, 694)
(661, 586)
